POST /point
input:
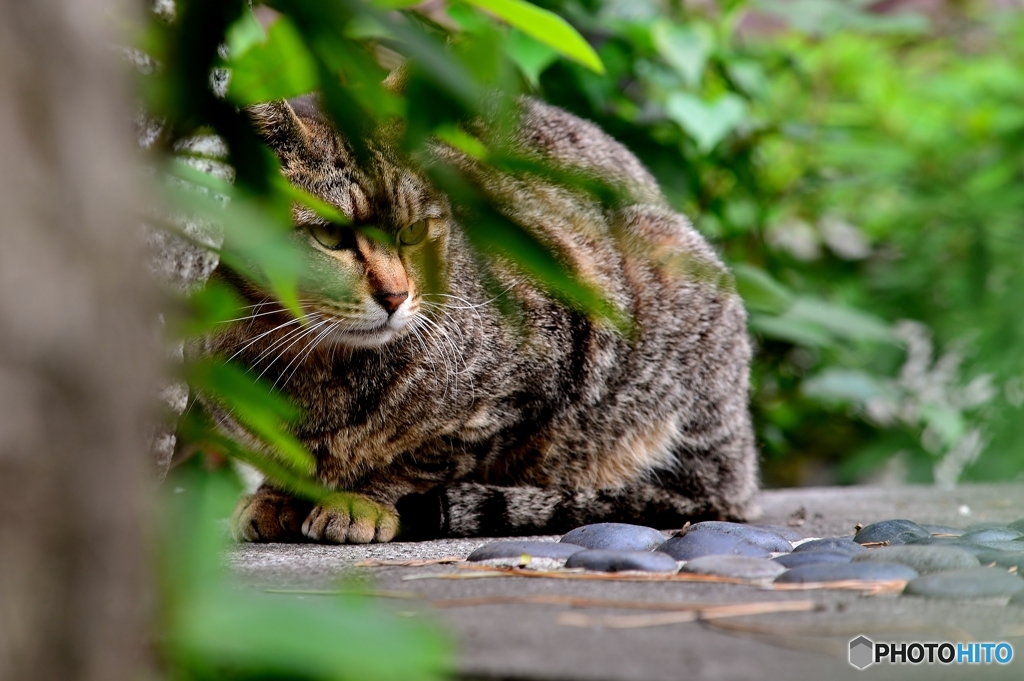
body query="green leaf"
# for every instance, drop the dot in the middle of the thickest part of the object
(545, 26)
(706, 122)
(243, 34)
(279, 68)
(759, 291)
(530, 55)
(685, 48)
(261, 411)
(843, 385)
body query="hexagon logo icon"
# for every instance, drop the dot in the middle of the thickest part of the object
(862, 652)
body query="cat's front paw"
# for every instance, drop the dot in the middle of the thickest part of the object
(351, 519)
(269, 516)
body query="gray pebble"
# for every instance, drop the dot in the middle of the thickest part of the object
(615, 537)
(787, 533)
(835, 544)
(696, 544)
(601, 560)
(1017, 598)
(797, 559)
(981, 582)
(758, 536)
(991, 534)
(892, 531)
(944, 530)
(985, 524)
(534, 549)
(1003, 558)
(950, 541)
(738, 567)
(924, 559)
(836, 572)
(1011, 546)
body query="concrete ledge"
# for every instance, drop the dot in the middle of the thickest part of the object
(518, 640)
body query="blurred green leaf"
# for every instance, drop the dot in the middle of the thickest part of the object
(530, 55)
(546, 27)
(760, 291)
(264, 413)
(243, 34)
(685, 48)
(278, 68)
(707, 123)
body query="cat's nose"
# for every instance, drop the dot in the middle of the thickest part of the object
(391, 301)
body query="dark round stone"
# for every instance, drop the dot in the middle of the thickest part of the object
(923, 558)
(787, 533)
(534, 549)
(615, 537)
(737, 567)
(991, 534)
(796, 559)
(1017, 598)
(980, 582)
(1017, 525)
(758, 536)
(696, 544)
(891, 531)
(945, 530)
(835, 544)
(601, 560)
(838, 572)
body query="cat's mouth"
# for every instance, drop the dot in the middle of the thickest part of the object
(370, 333)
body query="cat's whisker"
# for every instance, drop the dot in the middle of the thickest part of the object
(301, 330)
(306, 333)
(263, 335)
(304, 355)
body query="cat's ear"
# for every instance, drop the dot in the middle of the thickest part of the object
(280, 127)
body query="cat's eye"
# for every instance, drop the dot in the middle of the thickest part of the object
(333, 237)
(413, 234)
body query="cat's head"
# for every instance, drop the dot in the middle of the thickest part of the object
(368, 279)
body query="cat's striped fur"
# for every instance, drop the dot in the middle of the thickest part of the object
(467, 422)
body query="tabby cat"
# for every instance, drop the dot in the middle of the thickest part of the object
(445, 416)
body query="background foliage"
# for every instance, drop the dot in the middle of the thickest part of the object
(860, 171)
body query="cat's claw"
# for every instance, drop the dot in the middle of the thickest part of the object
(351, 519)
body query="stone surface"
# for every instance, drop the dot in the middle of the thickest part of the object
(615, 537)
(737, 567)
(924, 559)
(759, 536)
(981, 582)
(894, 532)
(1003, 558)
(799, 558)
(788, 533)
(950, 541)
(944, 530)
(604, 560)
(1010, 546)
(528, 641)
(696, 544)
(838, 572)
(990, 534)
(835, 545)
(1017, 525)
(515, 549)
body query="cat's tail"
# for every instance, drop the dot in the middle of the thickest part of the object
(475, 510)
